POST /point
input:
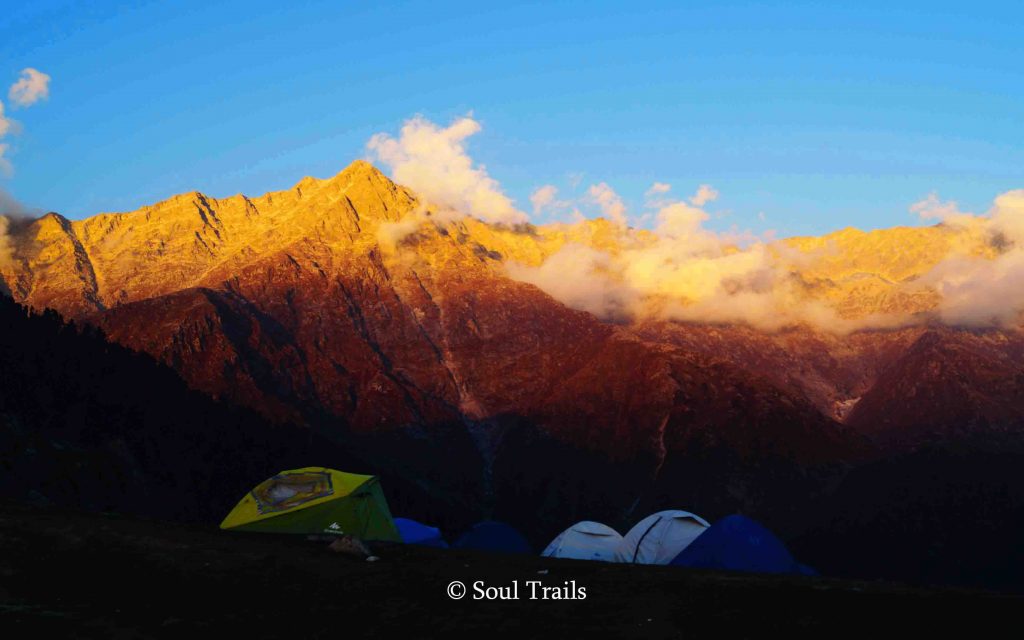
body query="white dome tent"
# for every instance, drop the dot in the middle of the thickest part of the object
(586, 541)
(659, 538)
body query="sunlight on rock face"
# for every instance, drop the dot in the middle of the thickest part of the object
(962, 271)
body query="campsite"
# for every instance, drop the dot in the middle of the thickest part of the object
(76, 574)
(318, 503)
(72, 573)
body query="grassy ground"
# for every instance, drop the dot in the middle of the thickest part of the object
(65, 574)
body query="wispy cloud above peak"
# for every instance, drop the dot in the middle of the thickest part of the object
(433, 161)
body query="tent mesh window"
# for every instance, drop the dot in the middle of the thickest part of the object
(289, 490)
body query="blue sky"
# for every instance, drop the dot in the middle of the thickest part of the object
(816, 117)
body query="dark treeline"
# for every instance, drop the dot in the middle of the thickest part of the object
(89, 424)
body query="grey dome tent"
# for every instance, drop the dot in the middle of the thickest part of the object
(585, 541)
(660, 537)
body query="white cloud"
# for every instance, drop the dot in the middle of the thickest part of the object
(6, 124)
(32, 87)
(682, 270)
(979, 291)
(680, 220)
(932, 208)
(705, 194)
(609, 202)
(658, 188)
(686, 272)
(432, 161)
(543, 197)
(29, 89)
(578, 276)
(1008, 216)
(390, 234)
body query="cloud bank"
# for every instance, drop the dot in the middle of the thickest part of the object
(681, 270)
(581, 277)
(980, 291)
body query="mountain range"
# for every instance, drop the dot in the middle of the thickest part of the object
(441, 348)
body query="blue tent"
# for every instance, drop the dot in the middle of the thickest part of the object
(413, 532)
(737, 543)
(493, 536)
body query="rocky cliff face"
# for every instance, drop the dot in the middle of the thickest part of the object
(346, 305)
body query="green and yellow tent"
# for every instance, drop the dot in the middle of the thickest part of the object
(316, 500)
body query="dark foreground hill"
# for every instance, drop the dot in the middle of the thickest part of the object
(69, 574)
